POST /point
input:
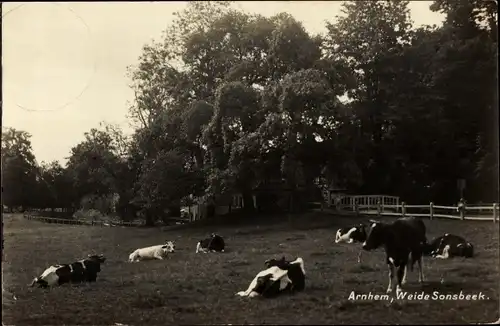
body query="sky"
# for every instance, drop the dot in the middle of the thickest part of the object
(65, 64)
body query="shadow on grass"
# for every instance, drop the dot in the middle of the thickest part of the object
(296, 237)
(237, 263)
(357, 281)
(308, 220)
(447, 287)
(255, 231)
(347, 305)
(323, 253)
(362, 268)
(150, 301)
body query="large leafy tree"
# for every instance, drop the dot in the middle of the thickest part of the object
(164, 182)
(20, 174)
(367, 36)
(97, 166)
(55, 186)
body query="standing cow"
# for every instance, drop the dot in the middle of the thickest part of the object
(215, 243)
(84, 270)
(402, 239)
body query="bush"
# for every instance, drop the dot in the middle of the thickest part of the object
(88, 214)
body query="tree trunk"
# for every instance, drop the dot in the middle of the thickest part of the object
(149, 218)
(248, 201)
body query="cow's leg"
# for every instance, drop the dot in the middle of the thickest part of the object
(445, 254)
(252, 286)
(391, 276)
(405, 273)
(399, 276)
(420, 263)
(253, 294)
(359, 257)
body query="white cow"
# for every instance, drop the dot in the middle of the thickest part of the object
(153, 252)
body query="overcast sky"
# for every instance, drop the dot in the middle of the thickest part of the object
(64, 64)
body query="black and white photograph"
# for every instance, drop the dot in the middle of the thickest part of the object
(250, 163)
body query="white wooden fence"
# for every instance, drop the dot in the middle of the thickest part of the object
(390, 206)
(78, 221)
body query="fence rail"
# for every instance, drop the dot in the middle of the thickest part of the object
(78, 221)
(390, 206)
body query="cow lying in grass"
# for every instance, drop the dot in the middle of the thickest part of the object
(84, 270)
(402, 239)
(448, 246)
(280, 276)
(215, 243)
(153, 252)
(353, 234)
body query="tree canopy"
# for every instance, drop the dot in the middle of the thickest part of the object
(232, 102)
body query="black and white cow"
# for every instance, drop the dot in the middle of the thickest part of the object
(279, 277)
(404, 241)
(215, 243)
(448, 246)
(84, 270)
(353, 234)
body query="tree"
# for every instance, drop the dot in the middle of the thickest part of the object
(96, 167)
(367, 36)
(469, 43)
(19, 170)
(164, 182)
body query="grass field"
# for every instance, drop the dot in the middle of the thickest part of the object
(189, 288)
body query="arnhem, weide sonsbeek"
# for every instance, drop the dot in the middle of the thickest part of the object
(419, 296)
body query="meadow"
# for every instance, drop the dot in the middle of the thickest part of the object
(189, 288)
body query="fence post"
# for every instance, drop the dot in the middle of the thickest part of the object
(403, 208)
(356, 207)
(379, 207)
(431, 210)
(495, 212)
(462, 211)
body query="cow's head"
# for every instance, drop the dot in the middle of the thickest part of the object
(97, 258)
(281, 263)
(169, 246)
(466, 249)
(355, 234)
(376, 235)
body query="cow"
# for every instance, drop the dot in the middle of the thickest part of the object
(215, 243)
(152, 252)
(356, 234)
(280, 276)
(404, 241)
(84, 270)
(448, 246)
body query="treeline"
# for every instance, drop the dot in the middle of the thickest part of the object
(231, 102)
